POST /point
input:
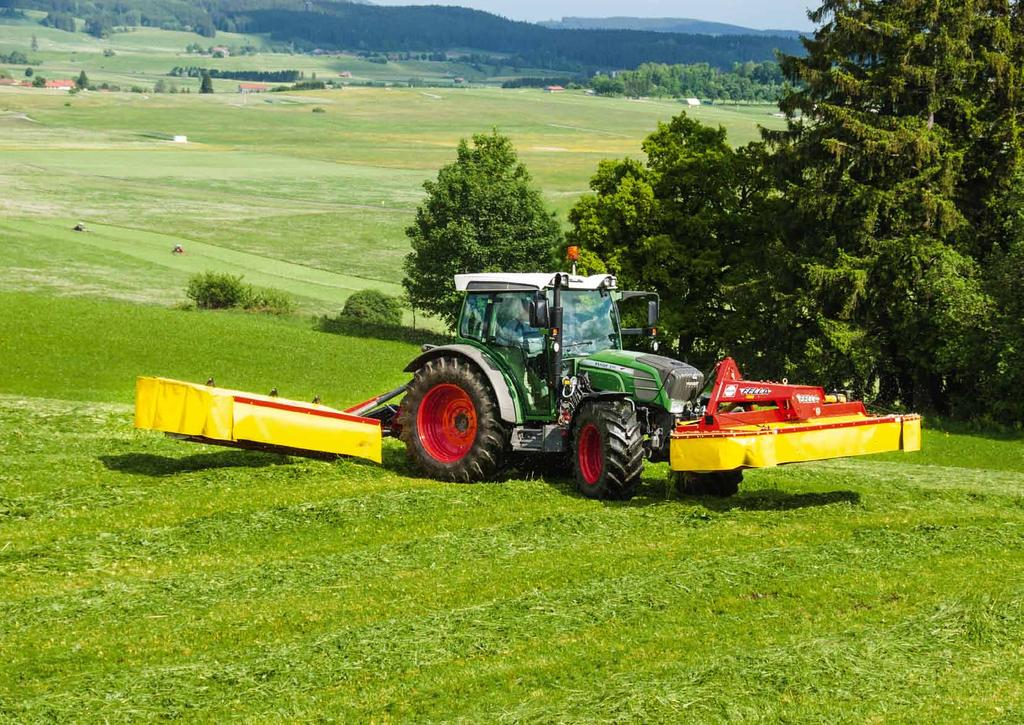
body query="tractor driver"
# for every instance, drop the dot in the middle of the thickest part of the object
(513, 325)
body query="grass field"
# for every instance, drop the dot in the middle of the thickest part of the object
(315, 204)
(331, 192)
(143, 578)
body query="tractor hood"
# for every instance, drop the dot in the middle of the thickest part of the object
(652, 377)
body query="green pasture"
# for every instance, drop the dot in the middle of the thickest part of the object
(264, 184)
(144, 578)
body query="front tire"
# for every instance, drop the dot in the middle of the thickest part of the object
(451, 425)
(608, 452)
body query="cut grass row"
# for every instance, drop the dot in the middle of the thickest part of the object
(139, 266)
(146, 578)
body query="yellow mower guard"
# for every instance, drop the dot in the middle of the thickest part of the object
(233, 418)
(791, 442)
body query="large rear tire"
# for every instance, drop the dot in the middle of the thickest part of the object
(608, 452)
(451, 425)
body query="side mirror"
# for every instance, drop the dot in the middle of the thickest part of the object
(539, 315)
(653, 312)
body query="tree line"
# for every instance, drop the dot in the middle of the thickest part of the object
(876, 244)
(743, 82)
(265, 76)
(417, 29)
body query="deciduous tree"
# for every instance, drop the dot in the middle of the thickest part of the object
(483, 213)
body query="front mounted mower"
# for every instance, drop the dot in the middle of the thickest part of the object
(538, 367)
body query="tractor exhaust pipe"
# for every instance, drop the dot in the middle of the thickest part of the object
(556, 335)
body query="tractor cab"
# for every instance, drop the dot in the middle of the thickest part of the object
(540, 326)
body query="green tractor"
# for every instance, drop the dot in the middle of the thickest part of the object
(539, 367)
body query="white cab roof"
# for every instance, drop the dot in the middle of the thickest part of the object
(495, 282)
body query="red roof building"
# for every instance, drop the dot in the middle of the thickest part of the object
(8, 82)
(253, 88)
(553, 89)
(62, 84)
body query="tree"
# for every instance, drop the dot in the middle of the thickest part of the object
(206, 85)
(99, 26)
(160, 86)
(39, 82)
(483, 213)
(29, 72)
(35, 42)
(686, 225)
(900, 141)
(82, 82)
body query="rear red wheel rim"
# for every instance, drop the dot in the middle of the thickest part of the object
(588, 451)
(446, 423)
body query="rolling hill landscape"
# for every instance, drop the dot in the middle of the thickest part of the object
(144, 578)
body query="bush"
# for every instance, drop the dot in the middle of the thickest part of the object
(373, 307)
(270, 301)
(216, 291)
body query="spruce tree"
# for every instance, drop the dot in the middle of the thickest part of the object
(206, 85)
(887, 164)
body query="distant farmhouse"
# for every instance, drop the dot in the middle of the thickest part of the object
(253, 88)
(554, 89)
(691, 101)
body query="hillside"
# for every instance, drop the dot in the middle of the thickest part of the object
(425, 29)
(143, 578)
(664, 25)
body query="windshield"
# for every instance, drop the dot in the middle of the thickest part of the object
(589, 322)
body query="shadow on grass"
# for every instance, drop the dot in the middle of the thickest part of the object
(655, 494)
(393, 333)
(148, 464)
(775, 500)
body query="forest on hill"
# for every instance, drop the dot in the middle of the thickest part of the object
(664, 25)
(352, 26)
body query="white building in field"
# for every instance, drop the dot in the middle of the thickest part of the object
(691, 101)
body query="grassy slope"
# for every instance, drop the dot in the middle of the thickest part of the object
(143, 577)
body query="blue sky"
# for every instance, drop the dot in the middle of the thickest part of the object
(786, 14)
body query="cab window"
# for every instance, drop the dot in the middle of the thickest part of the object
(474, 317)
(511, 326)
